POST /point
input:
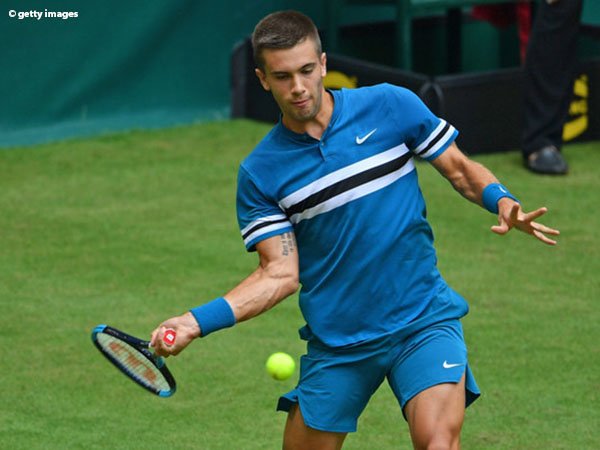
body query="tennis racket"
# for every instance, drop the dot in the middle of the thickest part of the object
(133, 358)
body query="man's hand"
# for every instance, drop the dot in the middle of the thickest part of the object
(186, 329)
(512, 216)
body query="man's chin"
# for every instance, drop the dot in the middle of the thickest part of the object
(304, 116)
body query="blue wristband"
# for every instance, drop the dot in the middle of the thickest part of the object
(492, 193)
(213, 316)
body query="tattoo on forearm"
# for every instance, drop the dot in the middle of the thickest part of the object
(287, 243)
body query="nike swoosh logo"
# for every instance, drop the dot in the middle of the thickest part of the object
(360, 140)
(447, 365)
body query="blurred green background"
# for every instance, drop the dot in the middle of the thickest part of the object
(155, 63)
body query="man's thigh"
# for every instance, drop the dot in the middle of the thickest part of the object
(433, 384)
(298, 436)
(435, 416)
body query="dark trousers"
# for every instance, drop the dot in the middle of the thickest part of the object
(549, 69)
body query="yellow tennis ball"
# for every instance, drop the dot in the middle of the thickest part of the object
(280, 366)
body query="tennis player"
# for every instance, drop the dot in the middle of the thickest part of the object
(330, 201)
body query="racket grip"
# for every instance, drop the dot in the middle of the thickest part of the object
(169, 337)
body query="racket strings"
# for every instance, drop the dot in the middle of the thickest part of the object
(133, 361)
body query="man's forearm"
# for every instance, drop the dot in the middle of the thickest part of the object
(469, 178)
(260, 291)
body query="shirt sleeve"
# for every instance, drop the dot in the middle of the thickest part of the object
(258, 217)
(427, 136)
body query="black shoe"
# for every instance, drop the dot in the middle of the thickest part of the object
(547, 161)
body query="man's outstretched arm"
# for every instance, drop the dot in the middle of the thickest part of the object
(477, 184)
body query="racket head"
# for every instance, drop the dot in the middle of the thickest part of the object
(134, 359)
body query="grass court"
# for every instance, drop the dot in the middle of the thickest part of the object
(129, 229)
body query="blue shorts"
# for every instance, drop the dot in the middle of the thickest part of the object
(336, 383)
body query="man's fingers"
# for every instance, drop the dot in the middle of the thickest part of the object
(524, 222)
(157, 342)
(529, 217)
(514, 213)
(542, 237)
(544, 229)
(505, 225)
(153, 338)
(500, 229)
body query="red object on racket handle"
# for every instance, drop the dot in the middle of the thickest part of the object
(169, 337)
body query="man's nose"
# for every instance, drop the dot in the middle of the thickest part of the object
(297, 85)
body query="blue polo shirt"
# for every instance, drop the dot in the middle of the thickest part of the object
(352, 199)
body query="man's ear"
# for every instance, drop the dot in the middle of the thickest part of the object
(262, 78)
(323, 64)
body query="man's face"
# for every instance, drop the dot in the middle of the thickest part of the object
(295, 78)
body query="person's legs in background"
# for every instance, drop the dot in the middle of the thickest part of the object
(549, 68)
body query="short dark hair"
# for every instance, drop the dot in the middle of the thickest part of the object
(282, 30)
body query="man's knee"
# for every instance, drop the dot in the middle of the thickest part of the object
(440, 440)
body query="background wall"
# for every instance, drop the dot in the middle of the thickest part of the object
(119, 64)
(149, 63)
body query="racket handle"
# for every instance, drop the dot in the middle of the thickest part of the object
(169, 337)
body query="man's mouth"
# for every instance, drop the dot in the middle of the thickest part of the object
(301, 103)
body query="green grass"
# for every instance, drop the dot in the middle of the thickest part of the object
(132, 228)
